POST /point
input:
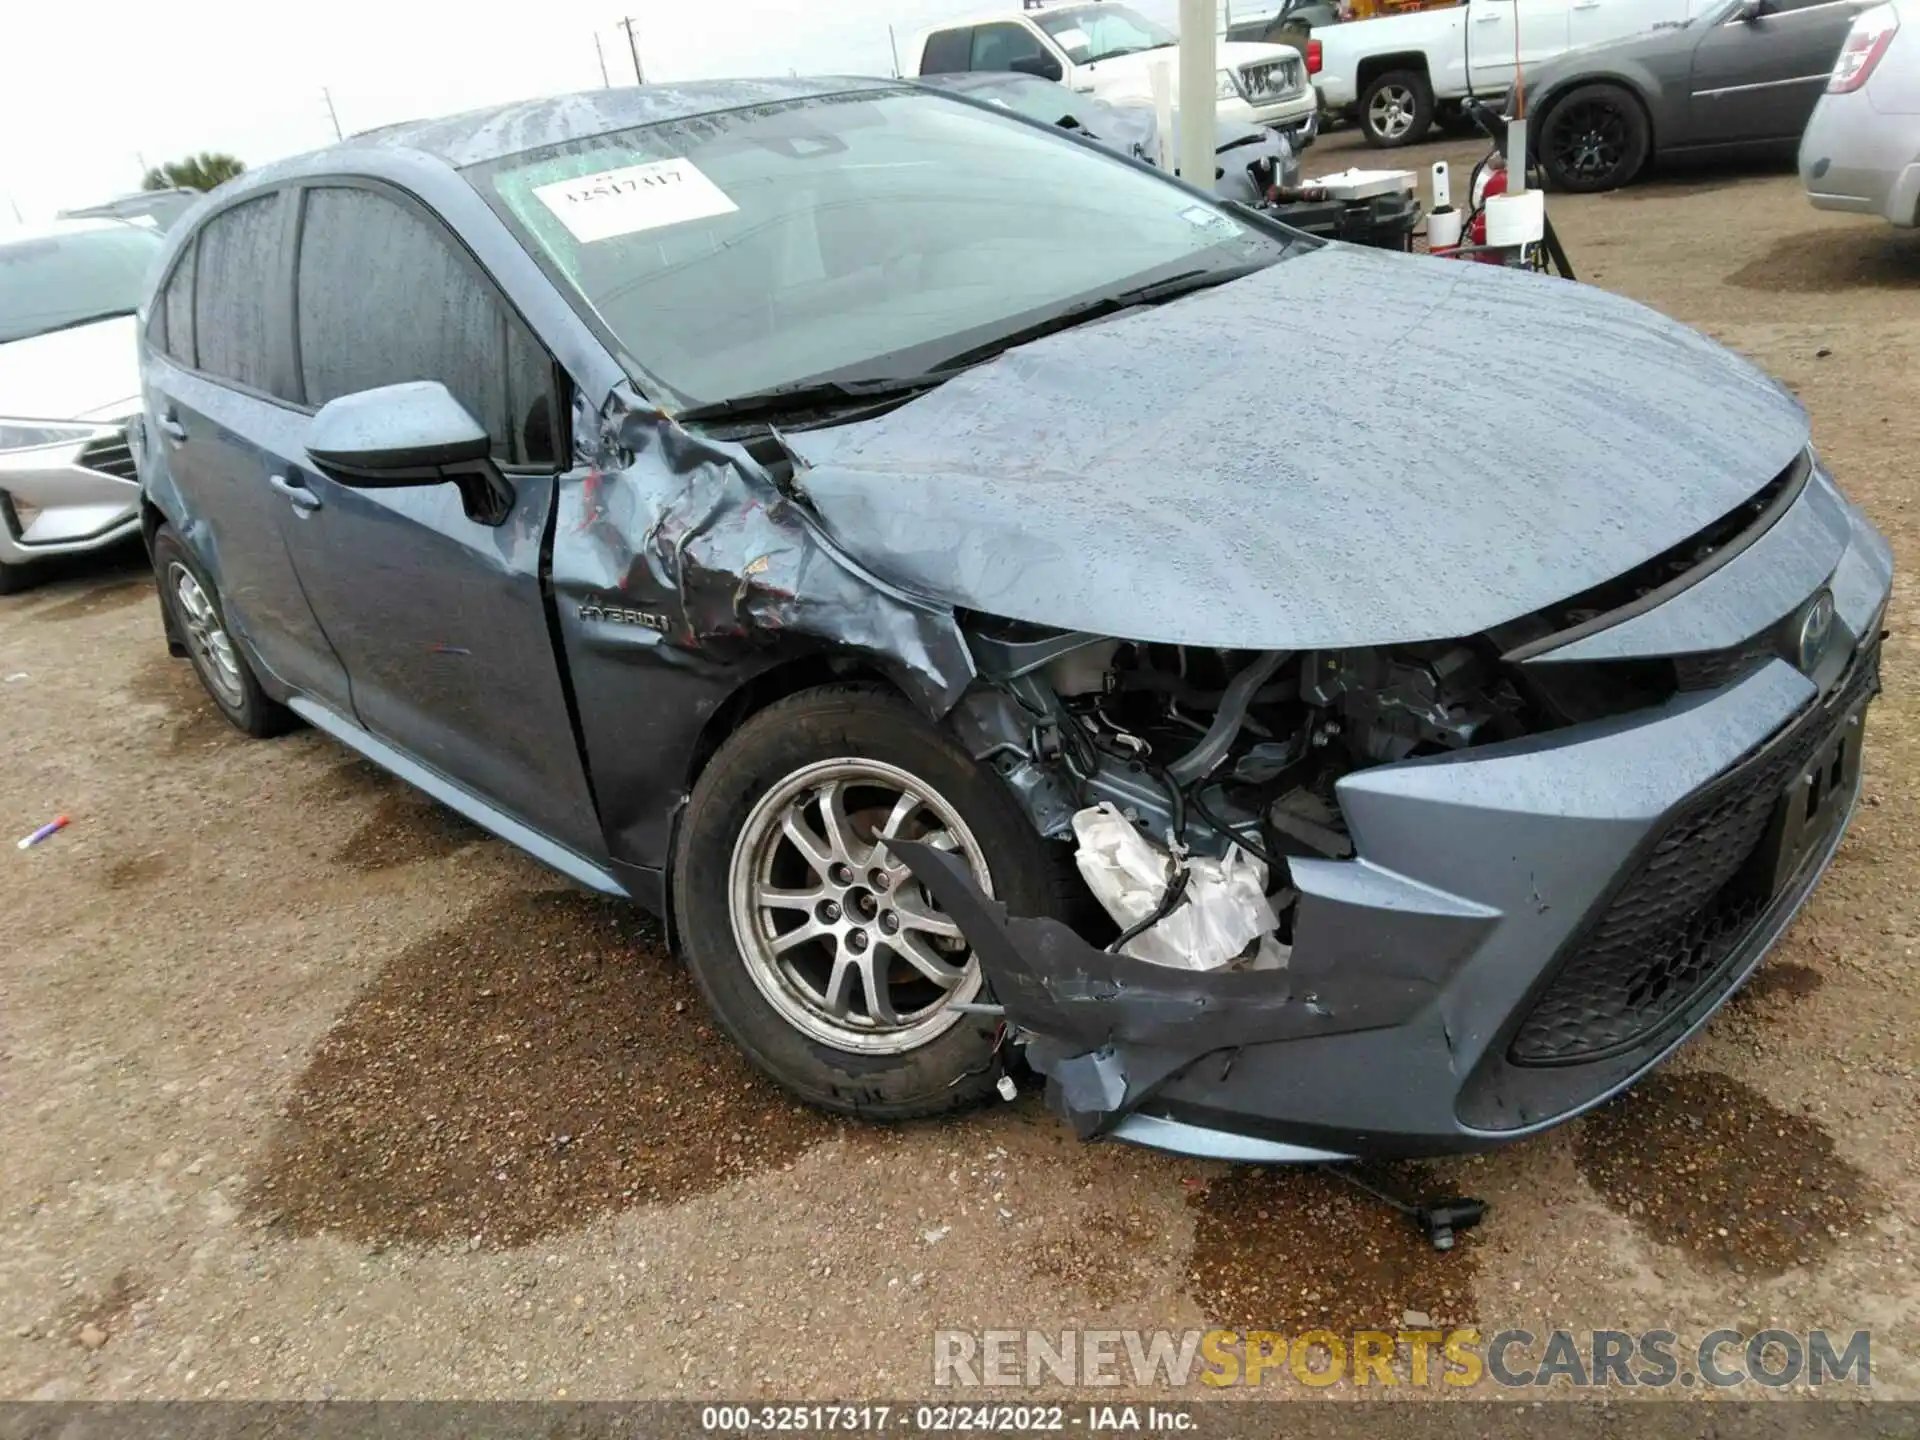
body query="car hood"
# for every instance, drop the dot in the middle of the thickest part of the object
(74, 374)
(1456, 446)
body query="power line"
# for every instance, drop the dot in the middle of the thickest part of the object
(332, 114)
(639, 75)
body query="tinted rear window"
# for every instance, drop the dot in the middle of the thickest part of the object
(947, 52)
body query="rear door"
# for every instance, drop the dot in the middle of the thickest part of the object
(219, 396)
(1759, 79)
(442, 621)
(1538, 28)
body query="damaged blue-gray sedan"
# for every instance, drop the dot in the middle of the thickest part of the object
(861, 525)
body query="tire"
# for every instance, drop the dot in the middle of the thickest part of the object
(1593, 138)
(778, 1009)
(1396, 109)
(15, 578)
(223, 669)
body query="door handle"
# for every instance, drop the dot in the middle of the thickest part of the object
(172, 428)
(1588, 5)
(298, 496)
(1491, 18)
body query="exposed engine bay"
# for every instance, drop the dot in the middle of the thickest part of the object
(1213, 754)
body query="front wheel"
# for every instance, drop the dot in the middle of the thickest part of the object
(1396, 109)
(1594, 138)
(832, 968)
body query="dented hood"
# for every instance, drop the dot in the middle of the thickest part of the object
(1347, 448)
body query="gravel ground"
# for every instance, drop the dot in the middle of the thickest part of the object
(314, 1090)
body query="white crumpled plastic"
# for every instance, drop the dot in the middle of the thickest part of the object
(1224, 910)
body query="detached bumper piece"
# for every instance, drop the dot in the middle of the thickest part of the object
(1525, 930)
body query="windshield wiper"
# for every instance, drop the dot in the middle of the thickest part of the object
(1156, 293)
(73, 324)
(813, 395)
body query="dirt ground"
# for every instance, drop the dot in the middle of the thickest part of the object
(312, 1090)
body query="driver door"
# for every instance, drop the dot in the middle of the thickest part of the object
(441, 620)
(1758, 79)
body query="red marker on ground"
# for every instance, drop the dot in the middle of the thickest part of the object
(52, 827)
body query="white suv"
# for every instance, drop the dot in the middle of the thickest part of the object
(1106, 50)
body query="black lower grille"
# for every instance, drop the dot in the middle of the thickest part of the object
(1670, 929)
(110, 455)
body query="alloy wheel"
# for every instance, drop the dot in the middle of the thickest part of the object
(1589, 140)
(839, 937)
(207, 637)
(1390, 113)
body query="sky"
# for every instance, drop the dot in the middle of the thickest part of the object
(91, 93)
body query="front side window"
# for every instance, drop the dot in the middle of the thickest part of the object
(1090, 33)
(234, 293)
(420, 313)
(869, 234)
(72, 278)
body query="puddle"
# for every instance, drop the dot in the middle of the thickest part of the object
(1821, 262)
(1100, 1257)
(101, 600)
(544, 1063)
(1777, 985)
(1706, 1163)
(1289, 1249)
(132, 871)
(174, 685)
(406, 827)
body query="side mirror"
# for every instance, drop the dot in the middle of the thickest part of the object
(406, 435)
(1753, 10)
(1044, 66)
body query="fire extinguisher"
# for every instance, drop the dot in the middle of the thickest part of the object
(1491, 181)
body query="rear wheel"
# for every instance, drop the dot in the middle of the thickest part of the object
(1396, 109)
(193, 610)
(1594, 138)
(831, 967)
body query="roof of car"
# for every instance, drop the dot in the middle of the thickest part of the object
(481, 135)
(14, 233)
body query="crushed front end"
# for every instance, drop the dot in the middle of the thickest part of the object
(1508, 873)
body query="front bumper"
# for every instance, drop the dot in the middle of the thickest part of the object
(1526, 928)
(1856, 159)
(63, 499)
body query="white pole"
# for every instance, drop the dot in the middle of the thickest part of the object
(1198, 136)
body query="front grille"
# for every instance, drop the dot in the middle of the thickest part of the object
(1275, 80)
(1669, 932)
(110, 455)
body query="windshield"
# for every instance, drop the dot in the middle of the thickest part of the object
(50, 282)
(1026, 95)
(852, 236)
(1098, 32)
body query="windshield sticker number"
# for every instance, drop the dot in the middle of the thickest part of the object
(1201, 218)
(634, 198)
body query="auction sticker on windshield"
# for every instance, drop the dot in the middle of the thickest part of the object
(634, 198)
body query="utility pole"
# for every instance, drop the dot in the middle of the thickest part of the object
(18, 217)
(332, 114)
(639, 75)
(894, 45)
(599, 51)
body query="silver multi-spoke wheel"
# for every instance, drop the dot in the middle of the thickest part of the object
(207, 636)
(839, 937)
(1391, 112)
